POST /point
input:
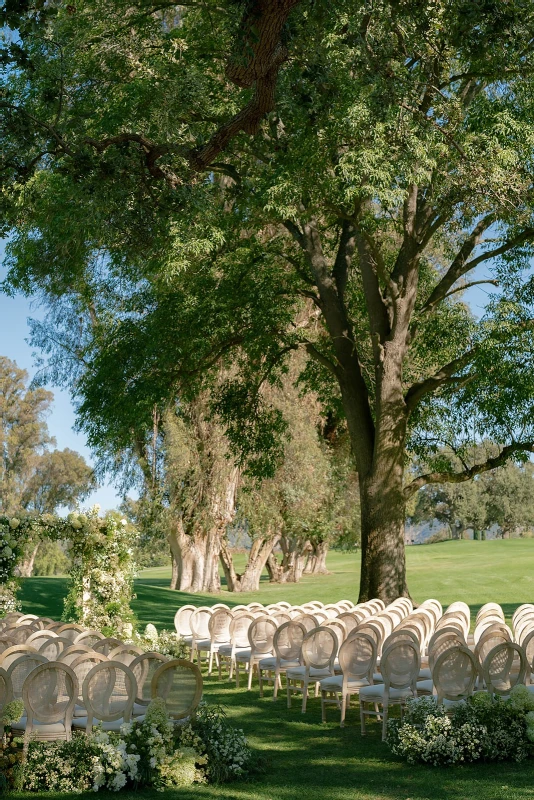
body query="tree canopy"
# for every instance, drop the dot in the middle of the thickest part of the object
(200, 218)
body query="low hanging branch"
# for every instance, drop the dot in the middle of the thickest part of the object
(466, 475)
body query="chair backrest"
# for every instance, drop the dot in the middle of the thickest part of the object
(526, 608)
(396, 615)
(199, 622)
(350, 620)
(261, 634)
(219, 625)
(83, 664)
(70, 631)
(89, 638)
(527, 643)
(27, 618)
(182, 619)
(442, 641)
(309, 621)
(220, 605)
(108, 692)
(319, 649)
(287, 641)
(357, 657)
(49, 694)
(493, 635)
(19, 669)
(484, 624)
(125, 654)
(253, 606)
(179, 683)
(454, 673)
(239, 629)
(71, 653)
(331, 610)
(6, 693)
(338, 626)
(523, 625)
(400, 634)
(20, 633)
(281, 617)
(144, 668)
(105, 646)
(505, 667)
(400, 664)
(16, 650)
(489, 609)
(435, 604)
(38, 638)
(53, 648)
(453, 621)
(284, 604)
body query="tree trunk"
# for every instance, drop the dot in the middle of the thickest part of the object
(293, 561)
(316, 561)
(195, 560)
(274, 569)
(26, 568)
(259, 554)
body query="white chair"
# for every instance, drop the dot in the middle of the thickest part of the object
(399, 665)
(287, 646)
(144, 667)
(107, 645)
(19, 669)
(89, 638)
(454, 675)
(49, 694)
(239, 626)
(505, 667)
(357, 659)
(179, 683)
(260, 637)
(319, 650)
(182, 625)
(219, 634)
(199, 622)
(108, 693)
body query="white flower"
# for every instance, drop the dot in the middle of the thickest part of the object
(124, 523)
(14, 523)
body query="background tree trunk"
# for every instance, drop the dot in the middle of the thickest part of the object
(26, 568)
(316, 561)
(249, 580)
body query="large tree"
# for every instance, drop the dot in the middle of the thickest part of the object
(394, 166)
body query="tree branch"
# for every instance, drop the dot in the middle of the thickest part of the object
(320, 358)
(418, 390)
(466, 475)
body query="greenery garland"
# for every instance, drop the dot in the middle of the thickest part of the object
(102, 572)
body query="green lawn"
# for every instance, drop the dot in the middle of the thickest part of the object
(303, 757)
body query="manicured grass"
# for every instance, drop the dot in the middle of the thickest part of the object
(301, 757)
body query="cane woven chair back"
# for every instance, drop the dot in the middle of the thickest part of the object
(345, 605)
(70, 631)
(527, 643)
(12, 617)
(219, 625)
(83, 664)
(281, 617)
(396, 615)
(520, 610)
(179, 683)
(402, 634)
(287, 641)
(454, 673)
(20, 633)
(400, 664)
(377, 604)
(27, 618)
(144, 668)
(505, 667)
(350, 619)
(71, 653)
(13, 652)
(320, 615)
(492, 636)
(5, 642)
(431, 602)
(239, 629)
(108, 692)
(417, 626)
(523, 626)
(105, 646)
(284, 604)
(489, 609)
(338, 626)
(446, 640)
(53, 648)
(89, 638)
(49, 695)
(199, 622)
(261, 635)
(309, 621)
(319, 649)
(384, 623)
(297, 611)
(220, 605)
(19, 669)
(484, 624)
(182, 620)
(38, 638)
(371, 630)
(254, 606)
(357, 657)
(331, 610)
(125, 654)
(454, 621)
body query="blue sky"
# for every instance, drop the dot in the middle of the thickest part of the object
(14, 330)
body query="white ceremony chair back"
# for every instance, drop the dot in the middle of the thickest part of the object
(199, 622)
(19, 669)
(89, 638)
(492, 636)
(144, 668)
(357, 661)
(182, 620)
(108, 692)
(49, 694)
(287, 644)
(125, 654)
(70, 631)
(505, 667)
(350, 620)
(444, 641)
(71, 653)
(82, 665)
(309, 621)
(179, 683)
(53, 648)
(105, 646)
(38, 638)
(491, 610)
(13, 652)
(454, 674)
(219, 625)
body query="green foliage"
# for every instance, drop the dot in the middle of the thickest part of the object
(51, 559)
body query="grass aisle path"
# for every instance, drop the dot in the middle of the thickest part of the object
(303, 758)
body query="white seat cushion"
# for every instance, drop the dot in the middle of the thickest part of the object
(425, 686)
(49, 729)
(377, 692)
(335, 683)
(270, 663)
(425, 674)
(226, 649)
(300, 673)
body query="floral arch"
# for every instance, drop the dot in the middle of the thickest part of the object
(102, 572)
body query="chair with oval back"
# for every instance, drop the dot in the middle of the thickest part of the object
(260, 636)
(38, 638)
(105, 646)
(89, 638)
(239, 626)
(319, 650)
(200, 629)
(179, 683)
(70, 631)
(399, 665)
(287, 646)
(71, 653)
(144, 668)
(182, 623)
(19, 669)
(108, 693)
(53, 648)
(6, 695)
(125, 654)
(49, 694)
(454, 674)
(505, 666)
(357, 659)
(219, 634)
(81, 666)
(13, 652)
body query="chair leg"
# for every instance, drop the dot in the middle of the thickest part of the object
(277, 683)
(384, 721)
(323, 707)
(236, 674)
(288, 684)
(343, 709)
(362, 716)
(250, 674)
(219, 664)
(210, 662)
(304, 696)
(231, 672)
